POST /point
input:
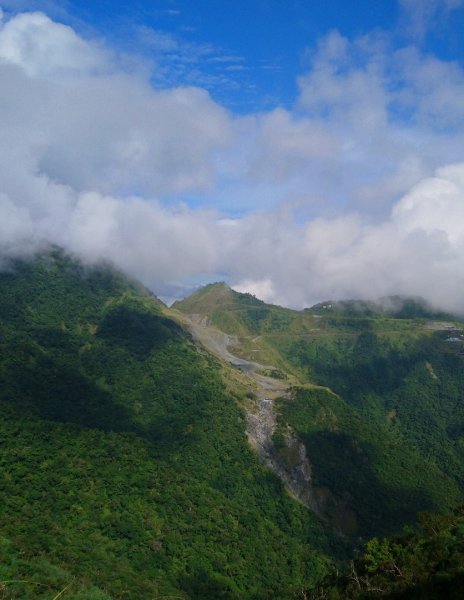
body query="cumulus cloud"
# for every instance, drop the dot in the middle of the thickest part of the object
(41, 47)
(92, 126)
(88, 152)
(356, 192)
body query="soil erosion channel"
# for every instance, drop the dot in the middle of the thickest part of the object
(261, 418)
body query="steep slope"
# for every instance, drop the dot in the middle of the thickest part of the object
(263, 388)
(377, 401)
(126, 472)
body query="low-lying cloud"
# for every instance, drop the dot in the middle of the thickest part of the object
(417, 250)
(356, 193)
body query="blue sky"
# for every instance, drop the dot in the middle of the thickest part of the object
(299, 150)
(256, 49)
(249, 54)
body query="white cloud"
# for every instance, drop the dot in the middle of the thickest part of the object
(284, 146)
(435, 205)
(434, 92)
(417, 249)
(262, 289)
(94, 127)
(44, 48)
(346, 195)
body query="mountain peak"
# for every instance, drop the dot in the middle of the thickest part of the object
(213, 296)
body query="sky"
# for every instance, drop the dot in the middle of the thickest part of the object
(300, 151)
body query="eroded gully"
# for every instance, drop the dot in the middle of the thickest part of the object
(290, 464)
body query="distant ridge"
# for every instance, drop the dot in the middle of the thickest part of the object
(220, 294)
(398, 306)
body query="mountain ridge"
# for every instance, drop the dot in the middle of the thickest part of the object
(399, 306)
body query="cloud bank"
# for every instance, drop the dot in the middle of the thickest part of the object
(357, 192)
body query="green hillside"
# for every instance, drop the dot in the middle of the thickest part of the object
(377, 399)
(125, 468)
(126, 471)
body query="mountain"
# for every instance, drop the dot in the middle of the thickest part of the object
(223, 448)
(259, 326)
(376, 401)
(126, 472)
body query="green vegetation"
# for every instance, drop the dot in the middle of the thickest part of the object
(125, 468)
(410, 385)
(427, 563)
(398, 307)
(380, 479)
(378, 400)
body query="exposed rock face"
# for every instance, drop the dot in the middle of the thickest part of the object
(289, 463)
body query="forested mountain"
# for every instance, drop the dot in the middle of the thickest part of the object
(128, 468)
(125, 468)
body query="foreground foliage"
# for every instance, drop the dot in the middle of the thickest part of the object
(425, 564)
